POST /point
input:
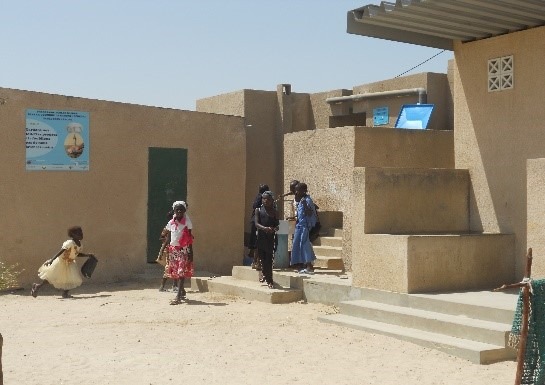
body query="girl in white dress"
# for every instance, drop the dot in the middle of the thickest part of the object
(62, 271)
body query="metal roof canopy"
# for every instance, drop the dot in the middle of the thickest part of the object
(438, 23)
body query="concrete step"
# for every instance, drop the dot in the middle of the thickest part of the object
(493, 333)
(476, 352)
(329, 263)
(331, 232)
(328, 251)
(329, 241)
(249, 290)
(484, 305)
(285, 279)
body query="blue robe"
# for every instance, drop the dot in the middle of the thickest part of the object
(302, 251)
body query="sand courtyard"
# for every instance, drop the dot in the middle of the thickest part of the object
(128, 333)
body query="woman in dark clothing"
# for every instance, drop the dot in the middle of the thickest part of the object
(266, 222)
(253, 230)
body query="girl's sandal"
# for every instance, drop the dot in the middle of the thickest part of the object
(176, 301)
(33, 291)
(270, 285)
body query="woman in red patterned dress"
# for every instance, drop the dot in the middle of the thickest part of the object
(180, 250)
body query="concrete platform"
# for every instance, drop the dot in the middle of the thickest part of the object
(250, 290)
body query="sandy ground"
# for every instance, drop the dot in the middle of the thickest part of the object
(127, 334)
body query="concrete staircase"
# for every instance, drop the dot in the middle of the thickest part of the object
(328, 249)
(470, 325)
(244, 283)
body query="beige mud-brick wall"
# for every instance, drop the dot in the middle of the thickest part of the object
(324, 160)
(263, 138)
(110, 200)
(323, 110)
(496, 132)
(536, 215)
(392, 147)
(415, 201)
(302, 114)
(437, 89)
(231, 103)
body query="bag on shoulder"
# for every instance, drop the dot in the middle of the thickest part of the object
(314, 232)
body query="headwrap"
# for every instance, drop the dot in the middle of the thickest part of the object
(179, 203)
(269, 193)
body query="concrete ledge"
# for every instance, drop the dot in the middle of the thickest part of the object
(413, 201)
(433, 263)
(392, 147)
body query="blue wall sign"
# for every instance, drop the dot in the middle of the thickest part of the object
(57, 140)
(380, 116)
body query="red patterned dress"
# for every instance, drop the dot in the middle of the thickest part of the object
(179, 265)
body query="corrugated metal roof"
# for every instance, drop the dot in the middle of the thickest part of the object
(438, 23)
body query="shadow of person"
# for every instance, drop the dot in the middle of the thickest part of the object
(196, 302)
(85, 296)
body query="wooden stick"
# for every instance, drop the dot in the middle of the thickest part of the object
(525, 314)
(1, 372)
(525, 285)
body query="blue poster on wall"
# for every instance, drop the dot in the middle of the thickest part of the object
(380, 116)
(57, 140)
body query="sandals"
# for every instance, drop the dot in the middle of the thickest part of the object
(261, 278)
(179, 299)
(271, 285)
(34, 290)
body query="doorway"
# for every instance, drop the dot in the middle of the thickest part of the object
(167, 182)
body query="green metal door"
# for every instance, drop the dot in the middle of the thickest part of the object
(167, 182)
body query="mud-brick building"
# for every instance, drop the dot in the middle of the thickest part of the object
(140, 159)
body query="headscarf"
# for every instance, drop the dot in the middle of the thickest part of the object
(269, 193)
(179, 203)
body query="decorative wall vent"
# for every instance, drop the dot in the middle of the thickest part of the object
(500, 73)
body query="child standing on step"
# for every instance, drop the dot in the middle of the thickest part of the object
(266, 222)
(302, 252)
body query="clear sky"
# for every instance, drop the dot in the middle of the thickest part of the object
(169, 53)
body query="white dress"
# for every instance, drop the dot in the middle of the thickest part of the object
(63, 273)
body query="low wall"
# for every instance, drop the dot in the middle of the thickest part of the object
(432, 263)
(415, 201)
